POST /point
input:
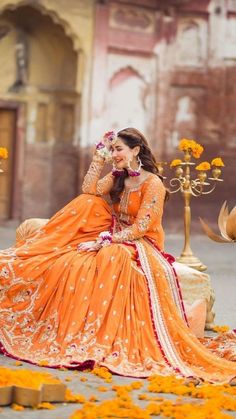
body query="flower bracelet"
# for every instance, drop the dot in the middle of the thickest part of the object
(105, 238)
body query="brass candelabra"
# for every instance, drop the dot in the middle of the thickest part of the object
(201, 184)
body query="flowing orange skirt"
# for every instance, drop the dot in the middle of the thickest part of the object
(119, 307)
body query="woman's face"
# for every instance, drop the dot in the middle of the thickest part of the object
(122, 154)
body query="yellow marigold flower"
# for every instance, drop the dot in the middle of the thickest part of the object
(68, 379)
(154, 409)
(197, 150)
(25, 378)
(192, 146)
(103, 373)
(46, 405)
(18, 363)
(185, 144)
(74, 398)
(3, 153)
(93, 399)
(175, 162)
(17, 407)
(136, 385)
(43, 363)
(217, 162)
(204, 166)
(143, 396)
(220, 329)
(102, 389)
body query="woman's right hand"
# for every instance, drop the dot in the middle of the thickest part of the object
(90, 246)
(103, 146)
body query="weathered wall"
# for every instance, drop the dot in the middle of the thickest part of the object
(169, 69)
(45, 66)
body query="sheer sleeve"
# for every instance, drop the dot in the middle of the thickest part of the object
(149, 214)
(92, 184)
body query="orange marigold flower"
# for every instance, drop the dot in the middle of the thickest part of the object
(143, 396)
(175, 162)
(136, 385)
(93, 399)
(197, 150)
(204, 166)
(18, 363)
(17, 407)
(192, 146)
(3, 153)
(43, 363)
(46, 405)
(102, 372)
(102, 389)
(218, 162)
(185, 144)
(220, 329)
(25, 378)
(74, 398)
(154, 409)
(83, 379)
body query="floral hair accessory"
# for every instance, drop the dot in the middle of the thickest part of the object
(110, 136)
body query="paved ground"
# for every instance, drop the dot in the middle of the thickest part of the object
(221, 262)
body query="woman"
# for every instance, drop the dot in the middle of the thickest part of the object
(95, 287)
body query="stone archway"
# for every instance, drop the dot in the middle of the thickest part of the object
(131, 110)
(38, 74)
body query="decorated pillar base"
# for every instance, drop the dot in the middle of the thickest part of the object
(196, 285)
(192, 261)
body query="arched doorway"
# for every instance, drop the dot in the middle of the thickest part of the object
(38, 70)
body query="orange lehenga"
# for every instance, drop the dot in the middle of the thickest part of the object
(119, 307)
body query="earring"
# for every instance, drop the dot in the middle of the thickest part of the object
(132, 172)
(116, 172)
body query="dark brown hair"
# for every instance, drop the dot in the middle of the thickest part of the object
(132, 138)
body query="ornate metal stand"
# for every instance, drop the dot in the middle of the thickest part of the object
(201, 185)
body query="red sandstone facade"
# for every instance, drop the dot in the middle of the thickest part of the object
(165, 67)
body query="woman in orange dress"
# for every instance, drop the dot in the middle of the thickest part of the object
(93, 285)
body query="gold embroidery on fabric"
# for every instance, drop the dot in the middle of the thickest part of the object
(92, 184)
(151, 207)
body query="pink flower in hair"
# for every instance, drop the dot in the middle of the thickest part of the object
(110, 135)
(100, 145)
